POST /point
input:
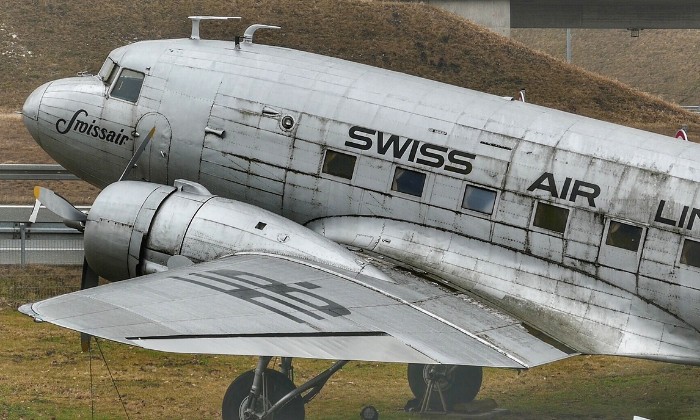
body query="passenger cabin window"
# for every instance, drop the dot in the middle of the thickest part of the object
(339, 164)
(108, 71)
(479, 199)
(128, 86)
(622, 235)
(408, 182)
(690, 253)
(551, 217)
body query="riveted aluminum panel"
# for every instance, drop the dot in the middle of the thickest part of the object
(474, 226)
(170, 223)
(514, 209)
(581, 251)
(546, 246)
(509, 236)
(307, 156)
(109, 229)
(169, 310)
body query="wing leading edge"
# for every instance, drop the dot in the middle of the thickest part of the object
(258, 304)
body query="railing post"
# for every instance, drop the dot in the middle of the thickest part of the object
(23, 244)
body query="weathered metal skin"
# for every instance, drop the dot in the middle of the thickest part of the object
(254, 123)
(134, 228)
(563, 302)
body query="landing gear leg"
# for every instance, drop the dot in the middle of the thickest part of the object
(440, 387)
(268, 394)
(254, 394)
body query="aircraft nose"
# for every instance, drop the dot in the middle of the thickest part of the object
(30, 110)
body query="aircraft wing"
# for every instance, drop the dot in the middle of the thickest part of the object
(260, 304)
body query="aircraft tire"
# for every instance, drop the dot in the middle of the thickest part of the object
(459, 384)
(277, 386)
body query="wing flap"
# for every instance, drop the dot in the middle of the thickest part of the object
(260, 304)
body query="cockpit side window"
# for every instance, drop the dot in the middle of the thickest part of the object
(108, 71)
(128, 86)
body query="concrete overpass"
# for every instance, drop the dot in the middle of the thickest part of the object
(501, 15)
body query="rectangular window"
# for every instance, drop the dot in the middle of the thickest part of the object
(108, 71)
(128, 86)
(408, 182)
(479, 199)
(339, 164)
(551, 217)
(622, 235)
(690, 254)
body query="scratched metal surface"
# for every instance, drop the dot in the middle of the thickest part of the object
(256, 304)
(529, 154)
(583, 312)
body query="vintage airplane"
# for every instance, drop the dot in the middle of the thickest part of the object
(378, 216)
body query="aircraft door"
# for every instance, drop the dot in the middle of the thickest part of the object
(153, 164)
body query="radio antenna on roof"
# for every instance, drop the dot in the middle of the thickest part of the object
(197, 19)
(248, 35)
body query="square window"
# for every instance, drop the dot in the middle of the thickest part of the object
(622, 235)
(408, 182)
(551, 217)
(339, 164)
(479, 199)
(128, 86)
(690, 254)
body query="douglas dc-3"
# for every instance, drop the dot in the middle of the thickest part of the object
(274, 202)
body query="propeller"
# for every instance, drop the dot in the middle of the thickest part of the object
(72, 217)
(58, 205)
(137, 154)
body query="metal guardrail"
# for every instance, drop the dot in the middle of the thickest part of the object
(692, 108)
(35, 172)
(47, 241)
(23, 243)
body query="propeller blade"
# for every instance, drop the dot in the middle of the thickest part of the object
(137, 155)
(89, 279)
(58, 205)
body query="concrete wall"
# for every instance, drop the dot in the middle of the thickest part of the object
(501, 15)
(605, 14)
(493, 14)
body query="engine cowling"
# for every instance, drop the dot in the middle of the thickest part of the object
(135, 228)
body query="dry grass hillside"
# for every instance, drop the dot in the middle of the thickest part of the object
(662, 62)
(46, 39)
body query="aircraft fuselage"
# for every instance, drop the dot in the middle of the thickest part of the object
(584, 229)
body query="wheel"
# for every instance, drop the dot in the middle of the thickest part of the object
(275, 386)
(459, 384)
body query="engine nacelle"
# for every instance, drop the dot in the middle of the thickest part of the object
(134, 228)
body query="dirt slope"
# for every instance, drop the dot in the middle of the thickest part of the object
(44, 39)
(662, 62)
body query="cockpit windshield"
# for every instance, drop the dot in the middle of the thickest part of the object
(128, 86)
(108, 71)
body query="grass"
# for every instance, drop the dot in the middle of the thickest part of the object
(42, 372)
(45, 375)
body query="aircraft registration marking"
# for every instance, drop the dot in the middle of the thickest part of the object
(256, 289)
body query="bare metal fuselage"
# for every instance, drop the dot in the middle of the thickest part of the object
(255, 123)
